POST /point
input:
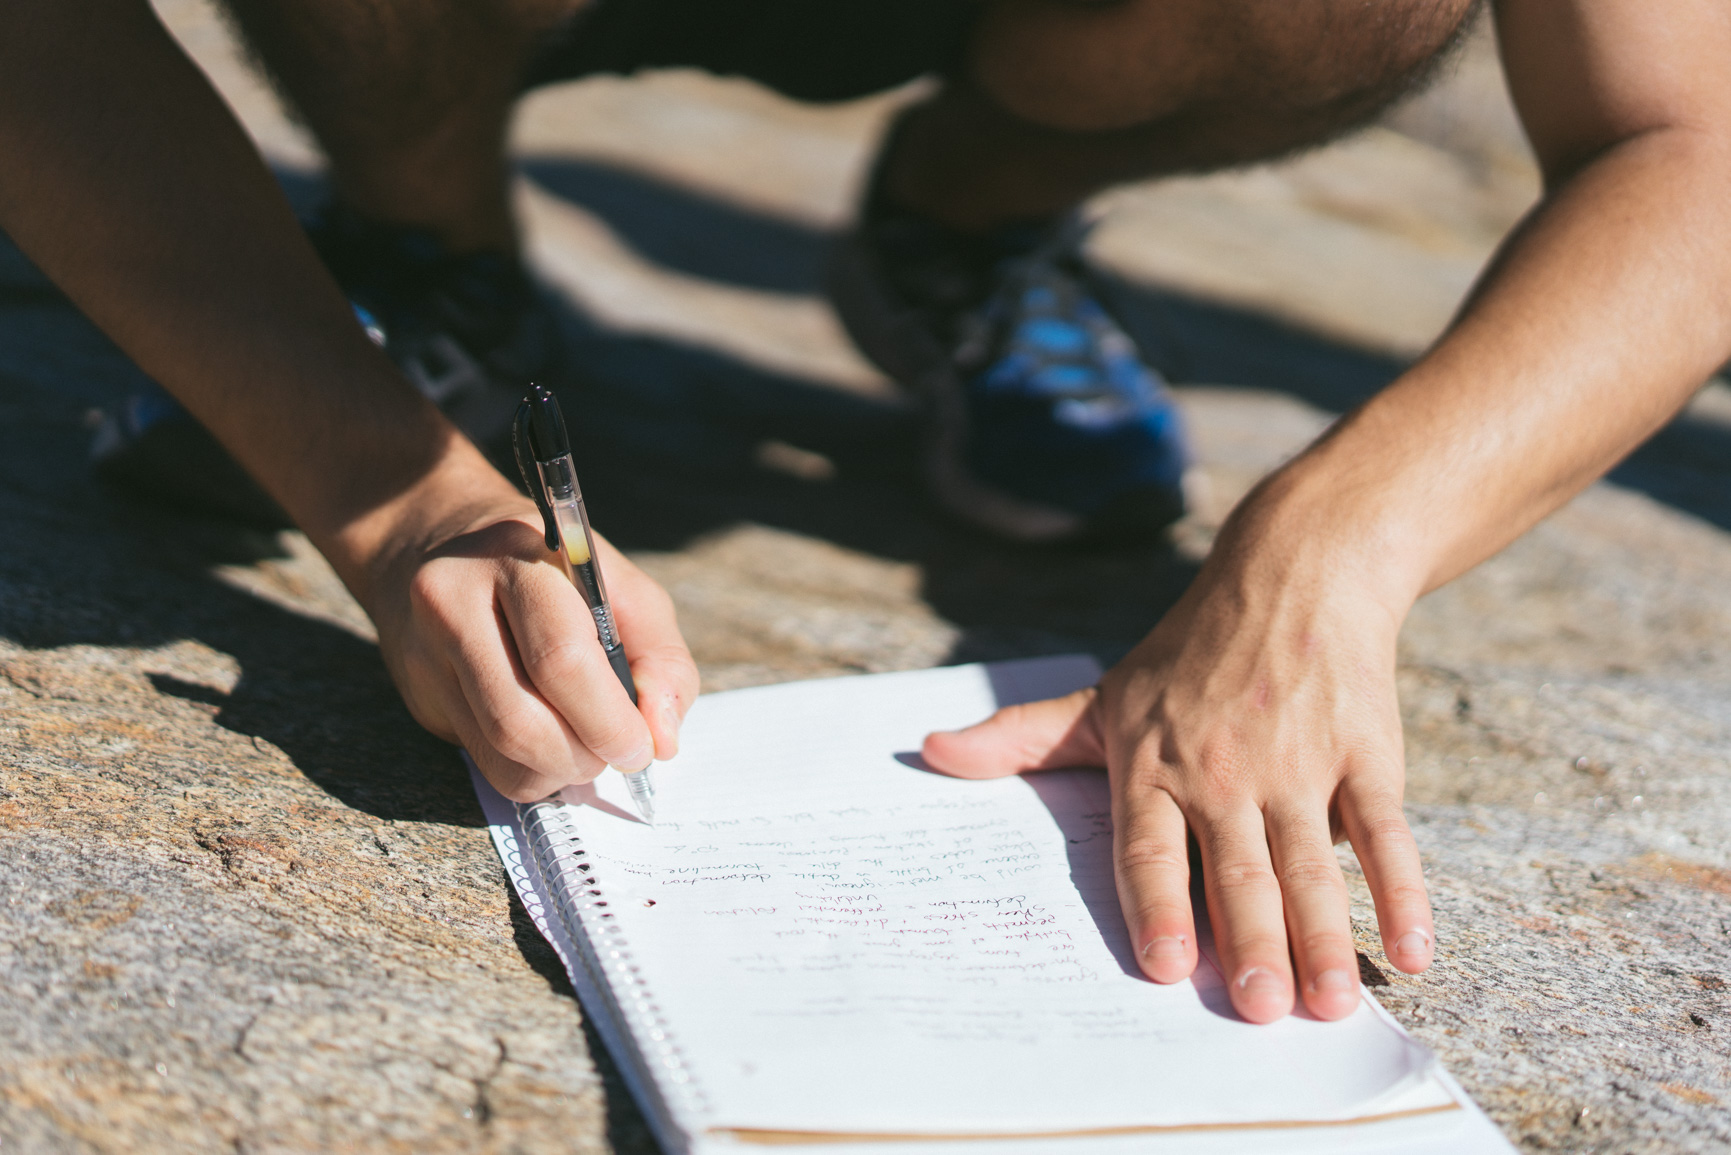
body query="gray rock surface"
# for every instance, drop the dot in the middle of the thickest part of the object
(245, 904)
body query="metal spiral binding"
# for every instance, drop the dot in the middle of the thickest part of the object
(556, 853)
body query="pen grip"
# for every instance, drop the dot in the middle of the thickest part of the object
(621, 667)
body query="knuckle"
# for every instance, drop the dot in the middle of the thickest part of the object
(438, 597)
(1321, 943)
(1310, 874)
(430, 588)
(1147, 853)
(1220, 755)
(1384, 830)
(1217, 788)
(507, 731)
(1386, 841)
(1159, 918)
(1012, 716)
(1376, 768)
(1023, 721)
(613, 738)
(588, 774)
(529, 788)
(1144, 808)
(555, 664)
(1406, 894)
(1233, 877)
(1257, 945)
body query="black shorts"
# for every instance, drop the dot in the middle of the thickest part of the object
(813, 50)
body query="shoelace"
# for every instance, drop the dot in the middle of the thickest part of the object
(1065, 330)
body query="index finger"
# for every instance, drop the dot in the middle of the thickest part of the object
(561, 655)
(1151, 856)
(661, 663)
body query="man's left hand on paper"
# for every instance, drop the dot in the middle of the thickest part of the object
(1260, 715)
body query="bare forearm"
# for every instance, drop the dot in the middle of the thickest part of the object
(1597, 322)
(125, 178)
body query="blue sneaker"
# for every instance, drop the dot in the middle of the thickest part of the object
(469, 331)
(1045, 423)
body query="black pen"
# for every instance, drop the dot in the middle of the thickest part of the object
(538, 435)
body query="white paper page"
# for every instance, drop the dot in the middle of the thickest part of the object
(1449, 1133)
(842, 941)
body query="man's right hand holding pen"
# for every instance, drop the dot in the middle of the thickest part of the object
(493, 647)
(158, 219)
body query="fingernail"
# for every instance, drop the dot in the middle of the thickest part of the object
(1167, 947)
(1334, 979)
(1261, 981)
(639, 760)
(1413, 942)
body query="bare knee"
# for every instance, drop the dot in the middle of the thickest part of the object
(1091, 65)
(1345, 55)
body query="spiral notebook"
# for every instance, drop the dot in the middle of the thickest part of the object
(821, 943)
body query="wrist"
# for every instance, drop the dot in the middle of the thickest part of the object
(1313, 525)
(456, 492)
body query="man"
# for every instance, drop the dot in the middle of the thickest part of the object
(1259, 716)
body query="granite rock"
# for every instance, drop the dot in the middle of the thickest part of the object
(246, 904)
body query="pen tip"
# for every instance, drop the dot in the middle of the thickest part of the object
(642, 794)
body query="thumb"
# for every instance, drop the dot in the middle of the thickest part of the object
(1041, 735)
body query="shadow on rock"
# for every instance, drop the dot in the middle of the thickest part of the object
(686, 231)
(673, 443)
(1686, 465)
(85, 567)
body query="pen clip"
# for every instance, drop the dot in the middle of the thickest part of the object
(532, 474)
